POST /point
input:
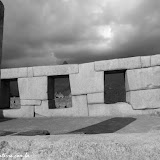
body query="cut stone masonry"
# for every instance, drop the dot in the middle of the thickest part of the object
(142, 84)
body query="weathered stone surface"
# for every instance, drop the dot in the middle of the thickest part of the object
(117, 109)
(44, 110)
(79, 104)
(87, 80)
(23, 112)
(30, 102)
(79, 108)
(155, 60)
(55, 70)
(145, 61)
(13, 73)
(30, 71)
(145, 78)
(95, 98)
(15, 103)
(144, 99)
(33, 88)
(118, 64)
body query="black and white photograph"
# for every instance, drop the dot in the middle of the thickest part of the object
(79, 79)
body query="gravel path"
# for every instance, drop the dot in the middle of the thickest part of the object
(135, 146)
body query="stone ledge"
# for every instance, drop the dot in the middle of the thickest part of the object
(55, 70)
(118, 64)
(79, 108)
(25, 102)
(30, 71)
(155, 60)
(14, 73)
(44, 110)
(23, 112)
(145, 61)
(118, 109)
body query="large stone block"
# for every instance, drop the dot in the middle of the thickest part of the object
(145, 78)
(14, 73)
(30, 102)
(118, 64)
(144, 99)
(30, 71)
(95, 98)
(55, 70)
(33, 88)
(145, 61)
(118, 109)
(79, 104)
(23, 112)
(87, 80)
(155, 60)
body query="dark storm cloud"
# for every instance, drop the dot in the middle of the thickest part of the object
(48, 32)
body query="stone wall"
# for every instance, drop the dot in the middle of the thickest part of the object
(142, 81)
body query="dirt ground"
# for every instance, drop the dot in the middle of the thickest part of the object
(83, 125)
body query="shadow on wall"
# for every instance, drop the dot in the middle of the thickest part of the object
(108, 126)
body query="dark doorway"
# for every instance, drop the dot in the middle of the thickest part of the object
(59, 92)
(9, 94)
(114, 86)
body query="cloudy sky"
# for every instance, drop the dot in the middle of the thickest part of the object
(48, 32)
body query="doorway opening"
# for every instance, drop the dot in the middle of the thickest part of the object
(9, 94)
(59, 92)
(114, 86)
